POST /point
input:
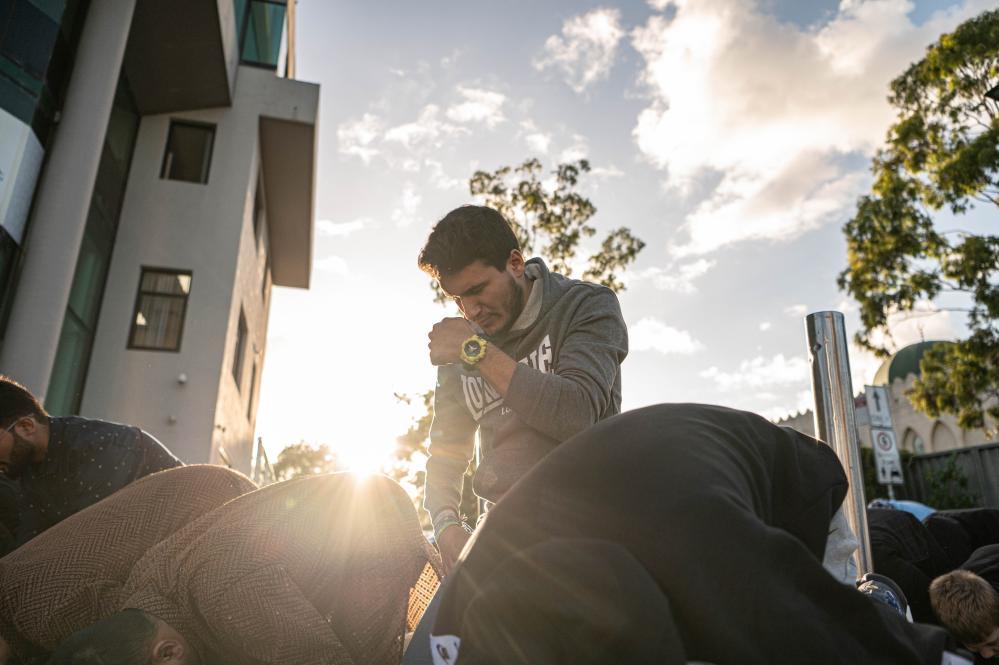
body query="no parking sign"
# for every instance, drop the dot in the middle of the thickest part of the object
(886, 456)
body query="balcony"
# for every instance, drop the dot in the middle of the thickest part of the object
(184, 54)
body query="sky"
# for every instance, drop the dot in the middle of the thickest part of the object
(732, 136)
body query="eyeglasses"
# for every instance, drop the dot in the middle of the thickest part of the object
(12, 425)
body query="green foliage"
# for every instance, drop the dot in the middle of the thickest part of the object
(303, 459)
(550, 218)
(942, 152)
(956, 376)
(947, 488)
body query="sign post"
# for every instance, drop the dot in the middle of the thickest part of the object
(887, 458)
(883, 440)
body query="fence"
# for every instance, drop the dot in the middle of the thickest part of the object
(980, 464)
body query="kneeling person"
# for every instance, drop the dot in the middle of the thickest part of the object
(313, 570)
(967, 601)
(72, 575)
(667, 534)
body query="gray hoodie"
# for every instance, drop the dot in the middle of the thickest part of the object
(570, 341)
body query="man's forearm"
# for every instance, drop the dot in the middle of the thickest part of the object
(444, 481)
(558, 406)
(497, 368)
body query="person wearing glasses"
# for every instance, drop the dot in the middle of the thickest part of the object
(64, 464)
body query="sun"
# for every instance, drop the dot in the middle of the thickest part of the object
(365, 456)
(368, 443)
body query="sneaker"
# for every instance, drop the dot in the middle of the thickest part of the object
(883, 590)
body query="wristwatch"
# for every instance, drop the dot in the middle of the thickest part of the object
(473, 350)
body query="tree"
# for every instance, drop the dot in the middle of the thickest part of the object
(550, 221)
(303, 459)
(941, 153)
(947, 487)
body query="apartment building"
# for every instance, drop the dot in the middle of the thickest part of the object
(157, 167)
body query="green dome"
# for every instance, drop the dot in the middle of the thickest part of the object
(902, 363)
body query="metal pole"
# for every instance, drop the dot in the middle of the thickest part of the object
(835, 420)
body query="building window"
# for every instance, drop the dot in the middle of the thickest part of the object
(262, 31)
(253, 392)
(240, 351)
(258, 211)
(160, 307)
(29, 38)
(188, 153)
(265, 279)
(79, 327)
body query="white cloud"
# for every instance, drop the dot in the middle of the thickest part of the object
(765, 326)
(538, 142)
(449, 61)
(426, 131)
(803, 401)
(606, 172)
(777, 206)
(769, 110)
(585, 51)
(357, 137)
(650, 334)
(484, 106)
(577, 150)
(405, 213)
(679, 279)
(847, 305)
(925, 322)
(440, 179)
(759, 372)
(334, 265)
(863, 366)
(796, 310)
(327, 227)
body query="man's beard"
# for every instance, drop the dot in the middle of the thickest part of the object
(514, 306)
(21, 454)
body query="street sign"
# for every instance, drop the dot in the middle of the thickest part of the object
(878, 408)
(886, 457)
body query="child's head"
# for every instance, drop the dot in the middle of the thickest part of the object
(969, 607)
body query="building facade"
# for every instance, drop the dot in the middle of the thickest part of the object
(914, 431)
(165, 184)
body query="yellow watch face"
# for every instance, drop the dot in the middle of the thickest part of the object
(473, 350)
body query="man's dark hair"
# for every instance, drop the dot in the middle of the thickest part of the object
(16, 401)
(466, 235)
(124, 638)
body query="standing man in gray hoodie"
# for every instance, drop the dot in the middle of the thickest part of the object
(534, 359)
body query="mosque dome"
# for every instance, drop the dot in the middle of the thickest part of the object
(902, 363)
